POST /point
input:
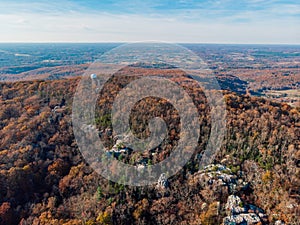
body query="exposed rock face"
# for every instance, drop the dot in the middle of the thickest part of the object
(242, 214)
(279, 222)
(162, 181)
(242, 219)
(225, 184)
(216, 176)
(119, 148)
(234, 205)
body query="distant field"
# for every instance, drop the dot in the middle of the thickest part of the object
(290, 93)
(291, 96)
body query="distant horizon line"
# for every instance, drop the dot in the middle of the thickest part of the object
(123, 42)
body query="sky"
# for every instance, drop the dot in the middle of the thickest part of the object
(180, 21)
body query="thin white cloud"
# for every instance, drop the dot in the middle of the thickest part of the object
(112, 28)
(44, 22)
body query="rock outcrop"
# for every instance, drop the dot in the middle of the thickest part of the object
(216, 176)
(239, 213)
(162, 181)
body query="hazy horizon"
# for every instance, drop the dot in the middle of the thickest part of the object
(183, 43)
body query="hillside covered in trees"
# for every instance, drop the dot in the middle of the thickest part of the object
(45, 180)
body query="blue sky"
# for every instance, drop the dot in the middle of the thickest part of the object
(202, 21)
